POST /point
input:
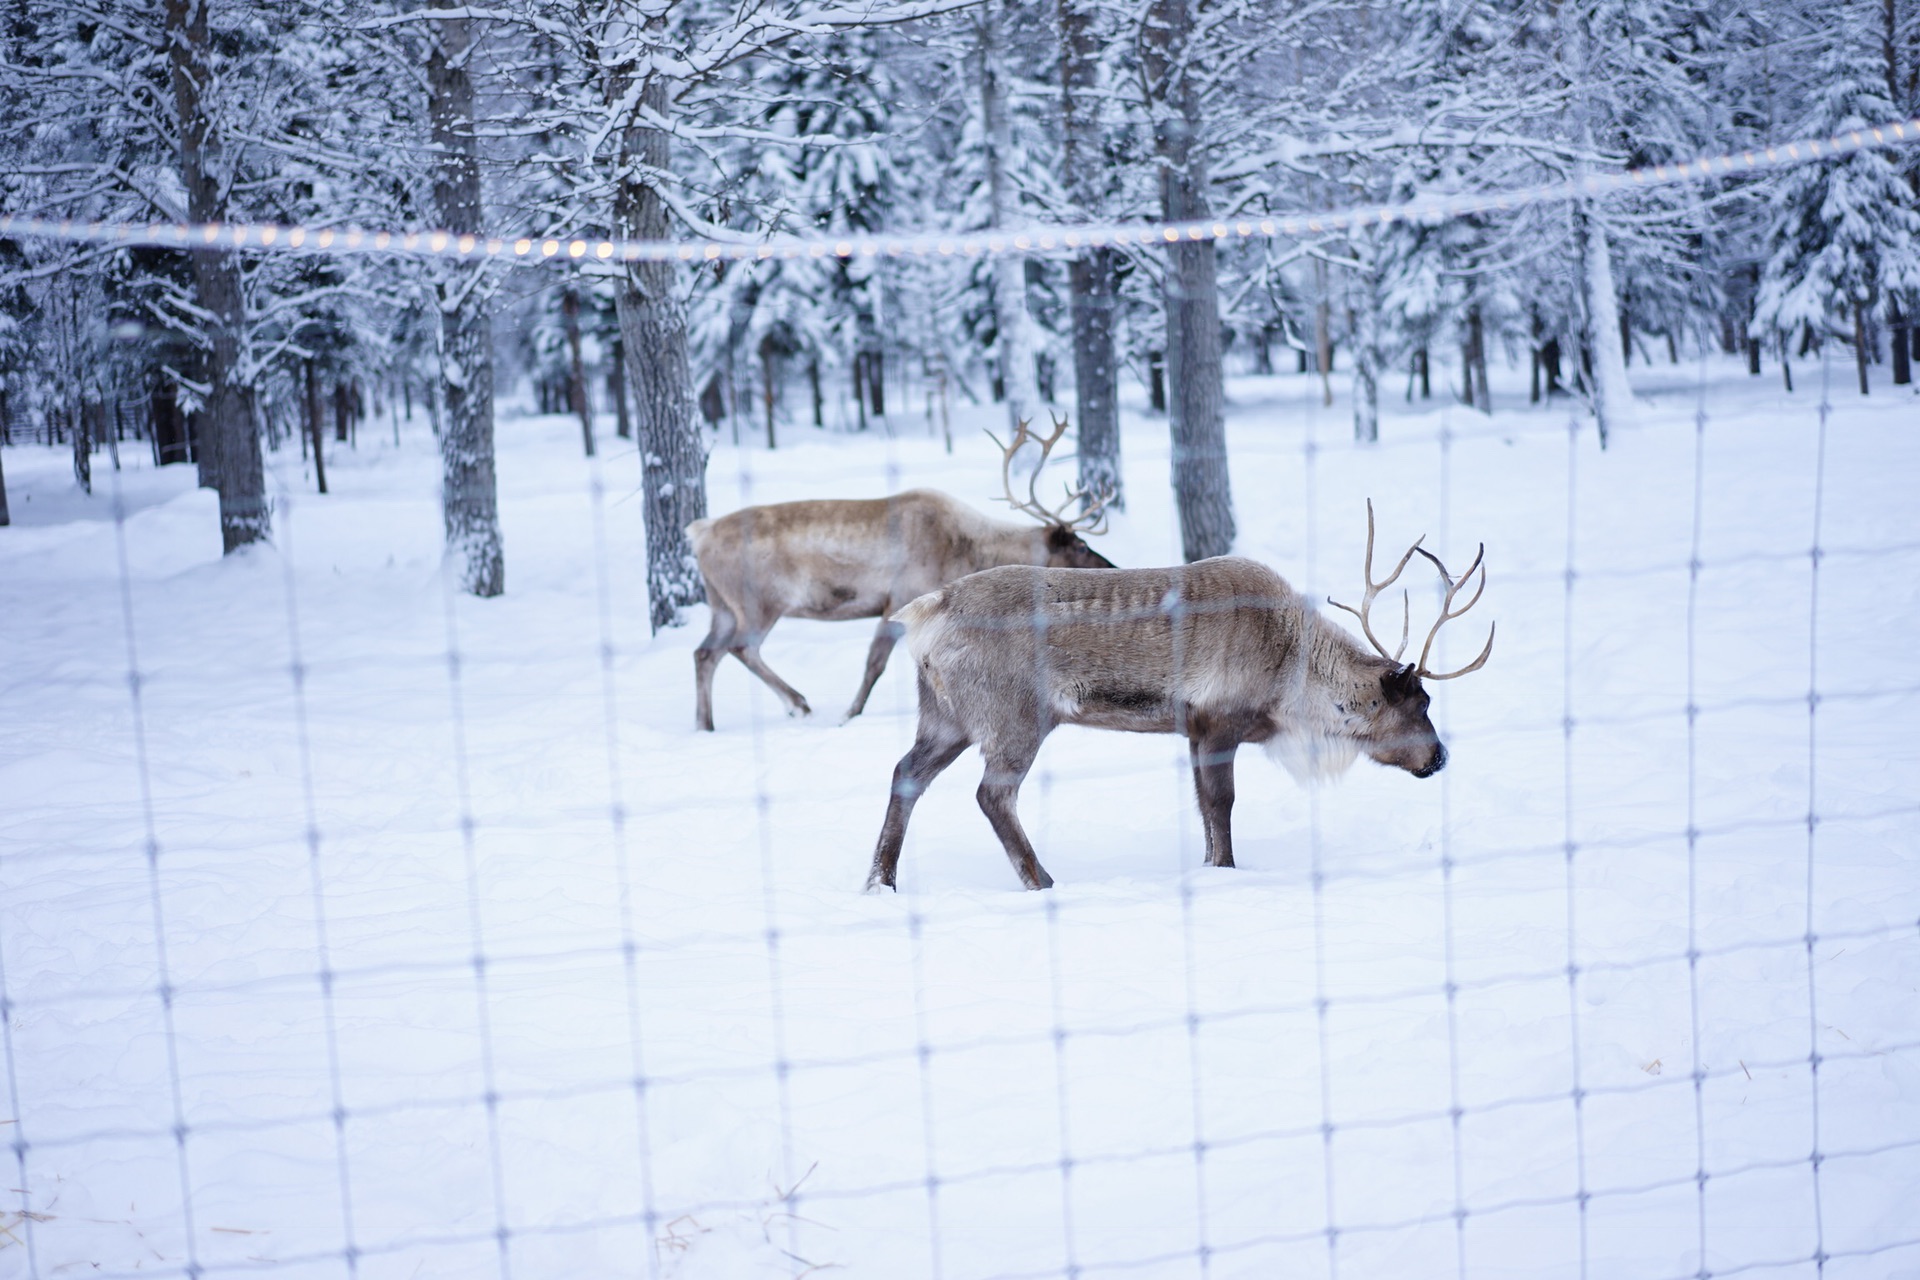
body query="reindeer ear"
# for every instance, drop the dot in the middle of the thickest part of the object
(1059, 537)
(1400, 683)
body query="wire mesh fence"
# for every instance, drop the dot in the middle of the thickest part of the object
(361, 927)
(354, 926)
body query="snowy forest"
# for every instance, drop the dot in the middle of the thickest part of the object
(394, 885)
(691, 120)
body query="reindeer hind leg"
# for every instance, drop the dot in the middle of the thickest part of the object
(707, 658)
(746, 647)
(883, 641)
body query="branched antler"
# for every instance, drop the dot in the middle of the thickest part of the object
(1375, 588)
(1093, 514)
(1447, 612)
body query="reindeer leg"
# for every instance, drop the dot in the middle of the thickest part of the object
(707, 657)
(746, 647)
(999, 797)
(937, 745)
(1213, 784)
(883, 642)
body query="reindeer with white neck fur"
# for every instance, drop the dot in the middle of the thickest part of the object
(1222, 652)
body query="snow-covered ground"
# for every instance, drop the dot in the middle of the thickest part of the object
(636, 1018)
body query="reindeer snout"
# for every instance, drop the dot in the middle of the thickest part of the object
(1436, 764)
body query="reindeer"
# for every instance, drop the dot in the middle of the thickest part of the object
(1223, 652)
(835, 559)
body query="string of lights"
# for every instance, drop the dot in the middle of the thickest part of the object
(1037, 239)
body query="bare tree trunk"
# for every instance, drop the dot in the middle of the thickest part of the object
(82, 450)
(1898, 321)
(313, 426)
(813, 385)
(1015, 327)
(769, 377)
(1323, 332)
(468, 497)
(6, 438)
(617, 390)
(1860, 342)
(1196, 413)
(653, 324)
(342, 412)
(1090, 277)
(1533, 350)
(576, 368)
(232, 443)
(1482, 394)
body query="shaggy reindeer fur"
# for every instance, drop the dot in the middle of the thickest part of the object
(1222, 652)
(835, 559)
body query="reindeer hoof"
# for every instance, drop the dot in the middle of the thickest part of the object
(799, 710)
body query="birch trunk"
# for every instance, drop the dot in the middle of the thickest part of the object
(1196, 394)
(1090, 277)
(230, 439)
(1366, 362)
(1612, 394)
(1015, 327)
(469, 505)
(653, 328)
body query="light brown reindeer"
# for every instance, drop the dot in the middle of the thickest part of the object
(1223, 652)
(835, 559)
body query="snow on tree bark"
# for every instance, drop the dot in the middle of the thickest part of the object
(653, 328)
(469, 503)
(1196, 395)
(1366, 365)
(1090, 277)
(230, 436)
(1612, 394)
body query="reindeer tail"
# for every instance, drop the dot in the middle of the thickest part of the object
(697, 533)
(923, 618)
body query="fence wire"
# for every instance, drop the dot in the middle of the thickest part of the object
(1055, 1202)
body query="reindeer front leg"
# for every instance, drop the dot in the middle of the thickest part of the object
(936, 744)
(1213, 786)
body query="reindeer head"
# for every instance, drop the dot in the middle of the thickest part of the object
(1399, 732)
(1066, 548)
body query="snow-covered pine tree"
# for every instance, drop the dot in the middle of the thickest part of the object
(1843, 235)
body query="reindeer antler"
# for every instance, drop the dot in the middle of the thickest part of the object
(1093, 514)
(1375, 588)
(1448, 613)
